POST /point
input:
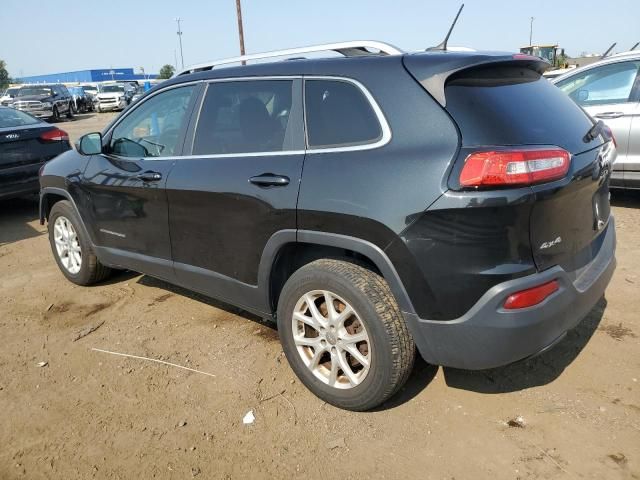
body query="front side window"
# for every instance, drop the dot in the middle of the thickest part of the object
(244, 117)
(153, 129)
(601, 85)
(339, 115)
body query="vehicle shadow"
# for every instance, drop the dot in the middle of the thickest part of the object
(15, 216)
(625, 198)
(212, 302)
(535, 371)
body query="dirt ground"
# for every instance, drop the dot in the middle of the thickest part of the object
(573, 412)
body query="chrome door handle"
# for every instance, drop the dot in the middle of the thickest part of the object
(270, 180)
(149, 176)
(609, 115)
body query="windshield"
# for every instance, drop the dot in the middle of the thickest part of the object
(11, 92)
(15, 118)
(90, 88)
(111, 88)
(34, 91)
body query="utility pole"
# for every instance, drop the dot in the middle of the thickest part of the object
(531, 31)
(240, 29)
(180, 40)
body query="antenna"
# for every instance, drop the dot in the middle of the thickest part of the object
(443, 46)
(634, 47)
(608, 50)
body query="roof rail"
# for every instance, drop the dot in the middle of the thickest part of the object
(348, 49)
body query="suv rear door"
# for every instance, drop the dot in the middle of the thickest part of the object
(610, 92)
(238, 186)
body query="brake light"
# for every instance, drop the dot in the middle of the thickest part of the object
(610, 135)
(55, 135)
(514, 167)
(531, 296)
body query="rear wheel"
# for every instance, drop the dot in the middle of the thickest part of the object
(71, 248)
(344, 335)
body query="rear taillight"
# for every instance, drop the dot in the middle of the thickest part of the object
(514, 167)
(55, 135)
(531, 296)
(610, 135)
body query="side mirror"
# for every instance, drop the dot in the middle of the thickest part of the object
(90, 144)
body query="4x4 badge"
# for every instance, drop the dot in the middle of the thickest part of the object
(551, 243)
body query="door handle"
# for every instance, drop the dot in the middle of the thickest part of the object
(609, 115)
(149, 176)
(270, 180)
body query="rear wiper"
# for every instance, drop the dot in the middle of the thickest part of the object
(594, 131)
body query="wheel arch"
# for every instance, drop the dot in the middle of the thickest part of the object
(289, 250)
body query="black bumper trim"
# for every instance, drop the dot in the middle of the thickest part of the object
(489, 336)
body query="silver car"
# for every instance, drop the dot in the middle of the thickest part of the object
(609, 90)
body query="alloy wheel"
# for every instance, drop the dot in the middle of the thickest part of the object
(67, 245)
(331, 339)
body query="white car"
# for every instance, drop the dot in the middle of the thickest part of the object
(8, 96)
(609, 90)
(110, 97)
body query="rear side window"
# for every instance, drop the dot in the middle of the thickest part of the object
(244, 117)
(339, 115)
(601, 85)
(515, 106)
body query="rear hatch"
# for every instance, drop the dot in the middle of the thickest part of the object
(504, 103)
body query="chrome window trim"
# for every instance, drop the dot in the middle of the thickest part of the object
(381, 142)
(382, 120)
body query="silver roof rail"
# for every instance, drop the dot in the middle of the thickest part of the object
(348, 49)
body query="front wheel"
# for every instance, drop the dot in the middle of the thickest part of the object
(70, 111)
(71, 247)
(344, 335)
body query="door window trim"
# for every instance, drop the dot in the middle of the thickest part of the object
(384, 139)
(107, 134)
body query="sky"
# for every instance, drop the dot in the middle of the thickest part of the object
(39, 36)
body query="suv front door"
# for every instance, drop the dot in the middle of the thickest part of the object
(238, 186)
(125, 185)
(610, 93)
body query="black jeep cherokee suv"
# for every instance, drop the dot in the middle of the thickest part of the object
(454, 203)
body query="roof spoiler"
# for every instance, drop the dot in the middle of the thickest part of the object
(432, 70)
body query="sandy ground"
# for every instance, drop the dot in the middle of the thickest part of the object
(573, 412)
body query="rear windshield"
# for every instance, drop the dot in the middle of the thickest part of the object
(515, 106)
(15, 118)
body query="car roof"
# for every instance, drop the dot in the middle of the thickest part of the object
(617, 58)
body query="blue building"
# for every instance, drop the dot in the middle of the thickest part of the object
(86, 76)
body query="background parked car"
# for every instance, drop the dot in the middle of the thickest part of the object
(609, 90)
(111, 96)
(8, 96)
(82, 100)
(26, 143)
(44, 101)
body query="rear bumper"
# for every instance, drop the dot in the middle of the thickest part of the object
(489, 336)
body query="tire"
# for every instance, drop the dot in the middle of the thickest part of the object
(389, 349)
(55, 115)
(90, 269)
(70, 111)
